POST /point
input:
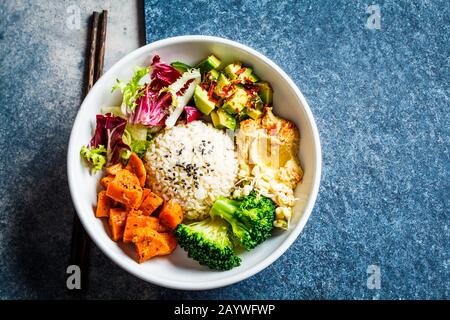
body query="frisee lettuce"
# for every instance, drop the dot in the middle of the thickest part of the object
(140, 147)
(138, 138)
(133, 89)
(95, 156)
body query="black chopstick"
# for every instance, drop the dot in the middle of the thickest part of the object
(92, 51)
(79, 254)
(101, 45)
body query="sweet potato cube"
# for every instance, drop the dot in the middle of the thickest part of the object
(171, 214)
(106, 180)
(137, 222)
(125, 188)
(154, 244)
(143, 233)
(150, 202)
(155, 224)
(136, 166)
(170, 239)
(103, 205)
(114, 169)
(117, 219)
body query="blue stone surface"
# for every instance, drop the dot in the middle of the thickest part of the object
(381, 100)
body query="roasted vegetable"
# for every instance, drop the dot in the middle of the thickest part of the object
(103, 205)
(137, 224)
(170, 239)
(114, 169)
(150, 202)
(106, 180)
(117, 218)
(136, 166)
(171, 214)
(126, 189)
(154, 244)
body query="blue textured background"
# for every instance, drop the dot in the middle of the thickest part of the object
(381, 100)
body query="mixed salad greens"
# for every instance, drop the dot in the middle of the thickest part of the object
(177, 92)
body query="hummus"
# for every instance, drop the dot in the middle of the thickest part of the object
(267, 156)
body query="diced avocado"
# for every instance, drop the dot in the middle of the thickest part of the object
(237, 101)
(212, 62)
(254, 113)
(202, 101)
(223, 82)
(253, 78)
(242, 116)
(215, 119)
(265, 92)
(180, 66)
(213, 75)
(256, 102)
(231, 69)
(255, 108)
(222, 119)
(244, 73)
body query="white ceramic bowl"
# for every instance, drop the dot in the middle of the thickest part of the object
(177, 270)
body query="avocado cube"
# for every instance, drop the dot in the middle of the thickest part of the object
(265, 92)
(215, 119)
(222, 119)
(255, 108)
(253, 78)
(222, 88)
(244, 73)
(180, 66)
(213, 75)
(231, 69)
(212, 62)
(202, 101)
(237, 101)
(254, 113)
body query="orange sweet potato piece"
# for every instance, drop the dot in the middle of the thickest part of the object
(150, 202)
(125, 188)
(170, 239)
(171, 214)
(145, 192)
(103, 205)
(155, 244)
(136, 166)
(143, 233)
(106, 180)
(155, 224)
(114, 169)
(117, 218)
(137, 222)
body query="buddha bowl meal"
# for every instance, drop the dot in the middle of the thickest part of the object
(196, 157)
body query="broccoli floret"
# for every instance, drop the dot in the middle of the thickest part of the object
(251, 218)
(207, 242)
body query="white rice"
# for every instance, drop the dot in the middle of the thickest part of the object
(194, 164)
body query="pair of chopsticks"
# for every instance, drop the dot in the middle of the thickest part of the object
(79, 254)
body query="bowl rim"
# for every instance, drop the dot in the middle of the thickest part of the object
(294, 233)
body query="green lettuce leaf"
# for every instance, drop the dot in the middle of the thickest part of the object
(132, 90)
(140, 147)
(95, 156)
